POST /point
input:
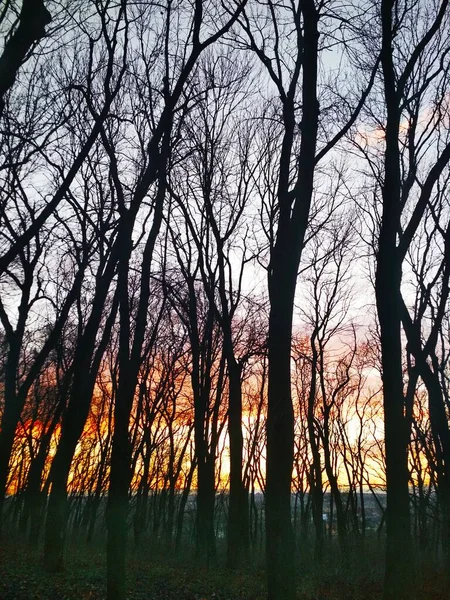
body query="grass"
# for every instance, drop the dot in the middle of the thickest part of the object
(154, 576)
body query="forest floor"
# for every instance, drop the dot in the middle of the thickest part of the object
(152, 576)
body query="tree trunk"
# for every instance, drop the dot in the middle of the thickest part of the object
(31, 28)
(285, 257)
(117, 511)
(57, 505)
(280, 549)
(206, 495)
(238, 505)
(398, 583)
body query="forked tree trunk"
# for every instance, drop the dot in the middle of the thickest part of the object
(399, 566)
(285, 257)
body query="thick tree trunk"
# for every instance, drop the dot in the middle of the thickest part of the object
(399, 569)
(280, 549)
(10, 419)
(33, 501)
(206, 496)
(205, 545)
(284, 263)
(85, 367)
(57, 505)
(74, 421)
(117, 512)
(398, 582)
(31, 28)
(13, 402)
(130, 359)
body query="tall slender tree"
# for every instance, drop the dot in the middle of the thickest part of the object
(413, 71)
(293, 68)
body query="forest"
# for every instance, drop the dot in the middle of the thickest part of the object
(224, 299)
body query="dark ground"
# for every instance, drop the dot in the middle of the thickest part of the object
(153, 577)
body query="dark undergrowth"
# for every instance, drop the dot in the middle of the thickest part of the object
(152, 575)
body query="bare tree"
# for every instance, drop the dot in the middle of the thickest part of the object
(428, 258)
(130, 346)
(211, 191)
(408, 125)
(289, 41)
